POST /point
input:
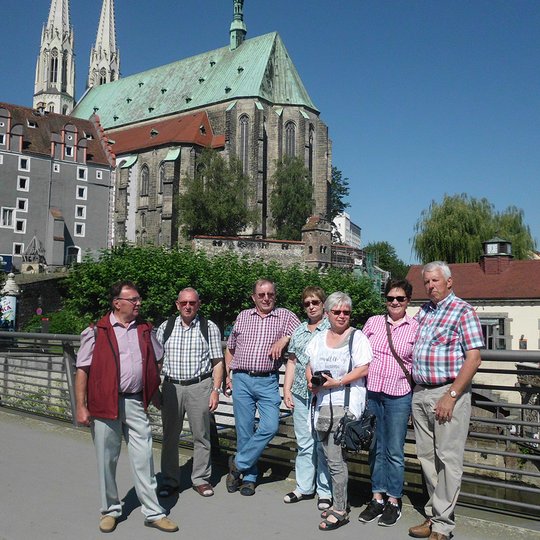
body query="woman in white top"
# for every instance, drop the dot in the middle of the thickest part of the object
(329, 352)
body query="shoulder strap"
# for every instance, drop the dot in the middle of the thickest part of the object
(396, 355)
(348, 386)
(203, 321)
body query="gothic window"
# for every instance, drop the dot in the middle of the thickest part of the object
(65, 109)
(310, 147)
(145, 181)
(102, 76)
(54, 66)
(64, 72)
(143, 220)
(113, 75)
(290, 139)
(161, 177)
(244, 142)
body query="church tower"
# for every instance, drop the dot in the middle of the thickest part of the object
(238, 29)
(104, 57)
(54, 88)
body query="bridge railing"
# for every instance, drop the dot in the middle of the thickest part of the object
(502, 457)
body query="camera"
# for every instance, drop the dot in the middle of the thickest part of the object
(318, 379)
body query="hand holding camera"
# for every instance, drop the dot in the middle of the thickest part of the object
(318, 378)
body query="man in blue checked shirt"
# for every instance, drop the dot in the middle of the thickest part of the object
(193, 375)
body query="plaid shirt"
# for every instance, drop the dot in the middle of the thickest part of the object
(385, 374)
(447, 331)
(186, 352)
(299, 341)
(252, 337)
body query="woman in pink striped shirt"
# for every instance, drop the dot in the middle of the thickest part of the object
(389, 398)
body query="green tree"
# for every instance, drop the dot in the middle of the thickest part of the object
(215, 199)
(291, 202)
(454, 230)
(387, 259)
(339, 189)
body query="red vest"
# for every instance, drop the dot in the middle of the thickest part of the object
(104, 373)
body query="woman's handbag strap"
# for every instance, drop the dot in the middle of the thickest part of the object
(396, 355)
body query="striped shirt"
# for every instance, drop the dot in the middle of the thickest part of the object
(299, 341)
(447, 331)
(253, 336)
(186, 353)
(385, 374)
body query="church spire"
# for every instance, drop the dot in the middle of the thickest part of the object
(104, 56)
(238, 29)
(54, 88)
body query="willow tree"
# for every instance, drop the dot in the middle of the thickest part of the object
(454, 229)
(291, 201)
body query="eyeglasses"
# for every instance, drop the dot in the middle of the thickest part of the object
(134, 300)
(261, 295)
(308, 303)
(187, 302)
(338, 312)
(398, 298)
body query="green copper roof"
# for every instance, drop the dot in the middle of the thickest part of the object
(259, 68)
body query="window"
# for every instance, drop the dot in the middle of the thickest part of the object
(79, 229)
(145, 181)
(310, 150)
(1, 159)
(2, 138)
(22, 205)
(290, 139)
(56, 167)
(20, 226)
(73, 255)
(80, 212)
(6, 217)
(143, 220)
(99, 175)
(23, 183)
(81, 193)
(81, 173)
(54, 66)
(161, 177)
(69, 151)
(18, 248)
(244, 142)
(24, 163)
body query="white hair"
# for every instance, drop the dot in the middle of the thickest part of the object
(438, 265)
(337, 298)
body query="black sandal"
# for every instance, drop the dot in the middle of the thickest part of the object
(342, 519)
(292, 497)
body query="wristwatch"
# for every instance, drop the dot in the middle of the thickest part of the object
(218, 390)
(453, 394)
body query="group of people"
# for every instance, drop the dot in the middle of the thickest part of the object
(395, 366)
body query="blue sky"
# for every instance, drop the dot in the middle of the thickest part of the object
(422, 97)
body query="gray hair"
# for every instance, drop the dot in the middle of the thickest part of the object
(190, 289)
(438, 265)
(337, 298)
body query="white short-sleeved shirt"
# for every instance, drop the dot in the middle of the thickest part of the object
(336, 360)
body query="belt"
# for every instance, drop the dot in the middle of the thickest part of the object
(255, 373)
(429, 385)
(188, 382)
(130, 395)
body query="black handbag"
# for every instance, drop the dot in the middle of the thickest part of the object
(351, 434)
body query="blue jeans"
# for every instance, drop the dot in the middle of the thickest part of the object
(311, 467)
(251, 394)
(386, 458)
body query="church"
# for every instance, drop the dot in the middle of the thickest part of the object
(245, 99)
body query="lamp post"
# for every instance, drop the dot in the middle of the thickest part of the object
(8, 303)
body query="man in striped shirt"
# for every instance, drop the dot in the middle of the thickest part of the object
(254, 355)
(193, 375)
(445, 358)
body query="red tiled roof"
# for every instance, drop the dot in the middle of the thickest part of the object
(37, 140)
(520, 280)
(189, 129)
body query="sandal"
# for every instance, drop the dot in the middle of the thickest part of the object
(327, 525)
(324, 504)
(293, 497)
(328, 511)
(204, 490)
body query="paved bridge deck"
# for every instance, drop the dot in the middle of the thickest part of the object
(48, 490)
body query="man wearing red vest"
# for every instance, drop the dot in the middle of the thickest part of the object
(117, 377)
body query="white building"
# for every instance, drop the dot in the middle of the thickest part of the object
(347, 232)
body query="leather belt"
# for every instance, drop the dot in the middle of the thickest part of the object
(428, 385)
(130, 395)
(188, 382)
(255, 373)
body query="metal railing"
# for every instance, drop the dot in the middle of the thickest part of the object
(502, 455)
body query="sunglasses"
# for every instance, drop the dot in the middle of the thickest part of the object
(188, 302)
(308, 303)
(261, 295)
(338, 312)
(398, 298)
(133, 300)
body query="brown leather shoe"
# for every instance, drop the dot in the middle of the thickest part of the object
(437, 536)
(107, 524)
(164, 524)
(421, 531)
